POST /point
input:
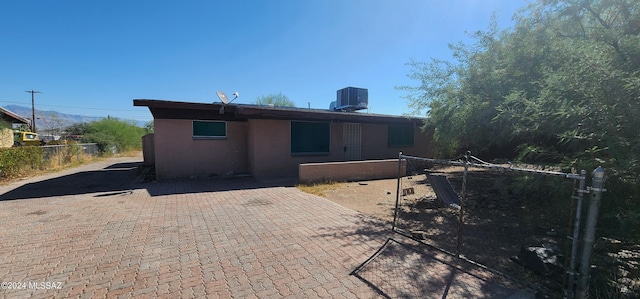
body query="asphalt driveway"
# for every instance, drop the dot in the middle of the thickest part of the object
(99, 231)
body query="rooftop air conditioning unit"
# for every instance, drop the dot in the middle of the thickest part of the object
(352, 99)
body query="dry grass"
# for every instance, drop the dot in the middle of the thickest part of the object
(64, 159)
(320, 188)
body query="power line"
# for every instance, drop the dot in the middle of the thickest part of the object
(134, 114)
(72, 107)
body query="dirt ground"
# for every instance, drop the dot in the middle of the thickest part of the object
(497, 222)
(376, 198)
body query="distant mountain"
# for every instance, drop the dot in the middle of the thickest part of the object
(46, 119)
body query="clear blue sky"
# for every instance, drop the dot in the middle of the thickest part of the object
(95, 57)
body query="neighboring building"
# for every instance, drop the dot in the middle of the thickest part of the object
(7, 119)
(199, 139)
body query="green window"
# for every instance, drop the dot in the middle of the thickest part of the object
(310, 138)
(209, 129)
(400, 135)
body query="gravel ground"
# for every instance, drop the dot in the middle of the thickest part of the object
(497, 223)
(494, 228)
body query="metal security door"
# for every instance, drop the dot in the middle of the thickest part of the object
(351, 135)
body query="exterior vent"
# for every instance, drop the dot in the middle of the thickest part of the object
(352, 99)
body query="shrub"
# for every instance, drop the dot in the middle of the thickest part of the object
(66, 155)
(16, 161)
(114, 135)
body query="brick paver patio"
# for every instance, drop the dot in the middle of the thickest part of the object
(205, 238)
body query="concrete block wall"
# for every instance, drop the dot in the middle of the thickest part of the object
(349, 171)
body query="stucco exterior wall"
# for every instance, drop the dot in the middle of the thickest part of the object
(177, 154)
(374, 143)
(270, 149)
(350, 171)
(148, 149)
(260, 147)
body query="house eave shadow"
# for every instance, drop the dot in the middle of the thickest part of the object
(118, 177)
(212, 184)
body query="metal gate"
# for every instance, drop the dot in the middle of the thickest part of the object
(352, 139)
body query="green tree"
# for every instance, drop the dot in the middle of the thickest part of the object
(562, 86)
(149, 126)
(23, 128)
(113, 134)
(277, 100)
(460, 96)
(77, 129)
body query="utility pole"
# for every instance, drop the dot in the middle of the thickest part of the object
(33, 110)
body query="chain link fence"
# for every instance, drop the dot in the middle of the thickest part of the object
(69, 151)
(501, 217)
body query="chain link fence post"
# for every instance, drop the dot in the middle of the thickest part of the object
(463, 198)
(597, 187)
(395, 211)
(572, 272)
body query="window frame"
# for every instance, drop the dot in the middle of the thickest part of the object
(309, 153)
(208, 137)
(392, 142)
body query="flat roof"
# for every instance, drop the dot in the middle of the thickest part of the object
(165, 109)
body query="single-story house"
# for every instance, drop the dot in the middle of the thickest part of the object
(203, 139)
(7, 119)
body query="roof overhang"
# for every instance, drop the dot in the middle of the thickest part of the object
(162, 109)
(11, 117)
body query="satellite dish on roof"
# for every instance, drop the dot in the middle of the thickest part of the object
(222, 97)
(225, 101)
